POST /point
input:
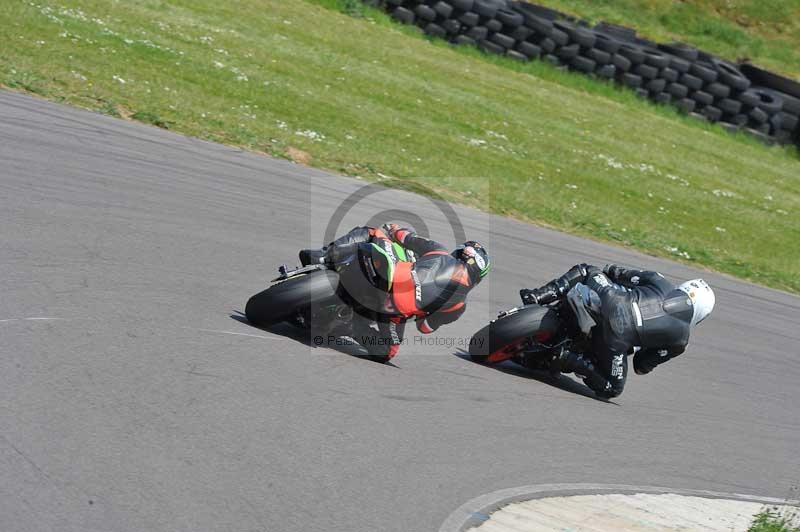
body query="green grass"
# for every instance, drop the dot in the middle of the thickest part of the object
(764, 31)
(773, 521)
(363, 96)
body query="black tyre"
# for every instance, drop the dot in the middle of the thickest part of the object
(681, 50)
(686, 105)
(656, 85)
(463, 40)
(669, 75)
(507, 336)
(642, 93)
(718, 90)
(452, 26)
(513, 54)
(663, 98)
(729, 106)
(435, 30)
(633, 53)
(494, 25)
(566, 53)
(631, 80)
(757, 116)
(646, 71)
(740, 119)
(469, 19)
(503, 40)
(478, 33)
(606, 43)
(704, 71)
(582, 64)
(529, 50)
(444, 9)
(791, 104)
(713, 114)
(521, 33)
(581, 36)
(622, 63)
(702, 98)
(509, 18)
(538, 24)
(598, 56)
(547, 45)
(281, 301)
(656, 58)
(403, 15)
(424, 12)
(730, 75)
(492, 48)
(606, 72)
(769, 100)
(764, 129)
(681, 65)
(784, 121)
(693, 82)
(559, 37)
(677, 90)
(485, 8)
(749, 98)
(462, 5)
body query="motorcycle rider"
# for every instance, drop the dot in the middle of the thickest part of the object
(636, 312)
(430, 285)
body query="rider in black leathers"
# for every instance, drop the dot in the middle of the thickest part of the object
(636, 312)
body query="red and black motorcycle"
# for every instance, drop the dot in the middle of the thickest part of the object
(534, 335)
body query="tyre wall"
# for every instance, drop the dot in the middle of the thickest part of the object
(740, 97)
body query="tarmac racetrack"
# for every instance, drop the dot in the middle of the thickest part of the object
(143, 402)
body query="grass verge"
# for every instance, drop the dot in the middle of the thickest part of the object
(772, 521)
(362, 96)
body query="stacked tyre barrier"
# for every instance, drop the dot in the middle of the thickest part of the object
(738, 97)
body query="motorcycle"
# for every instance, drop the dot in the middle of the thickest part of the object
(322, 299)
(534, 336)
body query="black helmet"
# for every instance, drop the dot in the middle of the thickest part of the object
(474, 255)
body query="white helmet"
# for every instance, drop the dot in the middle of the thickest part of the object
(702, 297)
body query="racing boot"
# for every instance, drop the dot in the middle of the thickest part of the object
(569, 362)
(312, 256)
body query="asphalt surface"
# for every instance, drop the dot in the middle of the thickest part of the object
(143, 404)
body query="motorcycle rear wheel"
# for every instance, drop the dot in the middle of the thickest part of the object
(509, 335)
(281, 301)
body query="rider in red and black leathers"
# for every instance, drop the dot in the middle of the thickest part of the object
(431, 288)
(636, 311)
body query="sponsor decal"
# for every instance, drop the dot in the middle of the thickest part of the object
(635, 279)
(602, 280)
(480, 262)
(393, 332)
(417, 286)
(389, 248)
(616, 367)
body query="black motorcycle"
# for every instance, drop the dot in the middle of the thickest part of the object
(322, 299)
(534, 335)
